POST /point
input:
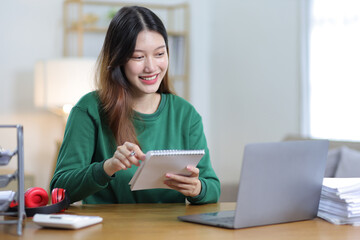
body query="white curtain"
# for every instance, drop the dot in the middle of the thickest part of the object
(334, 69)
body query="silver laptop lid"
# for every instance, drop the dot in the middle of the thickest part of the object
(280, 182)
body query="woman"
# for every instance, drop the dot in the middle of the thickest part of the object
(133, 111)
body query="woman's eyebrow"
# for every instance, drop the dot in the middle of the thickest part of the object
(139, 50)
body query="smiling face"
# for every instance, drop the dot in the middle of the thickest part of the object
(148, 64)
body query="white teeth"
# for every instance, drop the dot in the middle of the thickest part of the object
(150, 78)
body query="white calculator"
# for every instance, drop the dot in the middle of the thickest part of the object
(65, 221)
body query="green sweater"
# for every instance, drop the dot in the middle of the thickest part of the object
(88, 142)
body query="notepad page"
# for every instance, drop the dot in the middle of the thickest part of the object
(151, 173)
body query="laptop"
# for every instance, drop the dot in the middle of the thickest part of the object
(279, 182)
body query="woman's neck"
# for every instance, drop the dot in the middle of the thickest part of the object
(147, 103)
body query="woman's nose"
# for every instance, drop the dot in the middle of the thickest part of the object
(149, 65)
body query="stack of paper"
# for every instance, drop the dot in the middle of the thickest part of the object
(340, 201)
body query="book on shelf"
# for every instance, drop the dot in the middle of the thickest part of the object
(151, 172)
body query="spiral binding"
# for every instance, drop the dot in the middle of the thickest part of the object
(173, 152)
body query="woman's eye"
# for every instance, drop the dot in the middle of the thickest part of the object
(160, 54)
(137, 57)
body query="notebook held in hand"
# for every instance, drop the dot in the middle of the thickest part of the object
(151, 173)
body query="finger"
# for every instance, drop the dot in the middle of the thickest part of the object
(133, 159)
(126, 149)
(179, 178)
(186, 189)
(136, 157)
(119, 156)
(122, 166)
(118, 162)
(138, 153)
(129, 145)
(129, 154)
(133, 150)
(177, 185)
(129, 148)
(194, 171)
(170, 184)
(122, 159)
(132, 154)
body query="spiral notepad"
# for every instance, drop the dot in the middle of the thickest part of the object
(151, 173)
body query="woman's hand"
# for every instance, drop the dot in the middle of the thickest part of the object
(188, 185)
(124, 157)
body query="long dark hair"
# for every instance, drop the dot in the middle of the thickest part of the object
(113, 86)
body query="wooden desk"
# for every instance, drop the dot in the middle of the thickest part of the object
(159, 221)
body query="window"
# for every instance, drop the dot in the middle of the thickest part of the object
(334, 69)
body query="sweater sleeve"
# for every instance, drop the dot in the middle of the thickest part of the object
(210, 184)
(75, 172)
